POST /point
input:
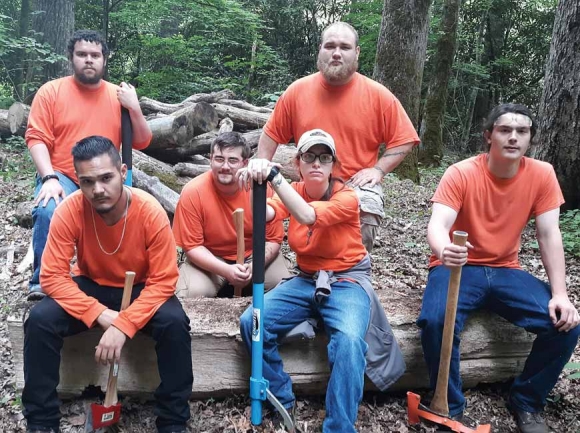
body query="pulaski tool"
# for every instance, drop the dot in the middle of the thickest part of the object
(438, 412)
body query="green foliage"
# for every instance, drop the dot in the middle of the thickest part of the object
(11, 163)
(570, 228)
(365, 16)
(573, 366)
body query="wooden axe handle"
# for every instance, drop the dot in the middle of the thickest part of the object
(439, 404)
(111, 395)
(238, 215)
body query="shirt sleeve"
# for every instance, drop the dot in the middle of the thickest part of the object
(550, 195)
(398, 127)
(161, 277)
(41, 120)
(55, 277)
(279, 125)
(188, 221)
(343, 206)
(451, 190)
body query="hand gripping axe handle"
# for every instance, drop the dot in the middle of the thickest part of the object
(258, 384)
(107, 414)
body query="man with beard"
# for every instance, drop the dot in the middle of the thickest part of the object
(63, 112)
(203, 227)
(111, 229)
(358, 112)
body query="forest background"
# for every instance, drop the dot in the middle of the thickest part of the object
(448, 61)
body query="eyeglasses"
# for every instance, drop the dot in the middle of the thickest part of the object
(324, 158)
(232, 162)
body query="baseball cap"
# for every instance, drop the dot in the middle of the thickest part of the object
(313, 137)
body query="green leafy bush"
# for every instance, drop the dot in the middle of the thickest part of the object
(570, 227)
(573, 366)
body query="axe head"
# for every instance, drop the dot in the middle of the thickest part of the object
(416, 411)
(100, 417)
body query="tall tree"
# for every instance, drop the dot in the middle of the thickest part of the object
(559, 115)
(53, 23)
(400, 59)
(431, 150)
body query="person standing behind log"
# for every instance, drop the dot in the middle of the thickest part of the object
(204, 228)
(111, 229)
(63, 112)
(358, 112)
(334, 285)
(492, 196)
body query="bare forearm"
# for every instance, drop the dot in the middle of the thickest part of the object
(204, 259)
(393, 157)
(296, 205)
(437, 237)
(272, 251)
(552, 252)
(41, 158)
(266, 147)
(141, 131)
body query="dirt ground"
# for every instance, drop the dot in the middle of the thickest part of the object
(400, 260)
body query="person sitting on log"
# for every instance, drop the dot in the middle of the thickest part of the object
(358, 112)
(492, 196)
(112, 229)
(204, 228)
(334, 285)
(63, 112)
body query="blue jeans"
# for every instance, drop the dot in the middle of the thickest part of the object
(345, 314)
(41, 217)
(518, 297)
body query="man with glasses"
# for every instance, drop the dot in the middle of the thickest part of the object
(204, 227)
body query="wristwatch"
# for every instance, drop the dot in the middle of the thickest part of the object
(48, 177)
(273, 173)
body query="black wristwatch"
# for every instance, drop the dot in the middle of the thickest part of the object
(48, 177)
(273, 173)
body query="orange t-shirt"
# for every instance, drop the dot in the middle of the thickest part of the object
(63, 112)
(203, 217)
(334, 241)
(147, 248)
(360, 116)
(494, 211)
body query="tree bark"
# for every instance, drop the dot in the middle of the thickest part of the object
(431, 150)
(559, 116)
(54, 25)
(18, 118)
(164, 172)
(178, 128)
(23, 26)
(4, 125)
(400, 59)
(164, 195)
(243, 119)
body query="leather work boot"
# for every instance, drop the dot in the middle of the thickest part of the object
(529, 422)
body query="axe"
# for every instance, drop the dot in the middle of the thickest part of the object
(238, 216)
(127, 147)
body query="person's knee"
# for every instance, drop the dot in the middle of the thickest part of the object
(43, 213)
(172, 318)
(42, 317)
(246, 324)
(348, 344)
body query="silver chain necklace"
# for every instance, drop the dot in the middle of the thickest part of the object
(122, 234)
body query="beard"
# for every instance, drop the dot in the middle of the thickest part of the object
(84, 79)
(336, 74)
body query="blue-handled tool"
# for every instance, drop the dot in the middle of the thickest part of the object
(258, 384)
(127, 144)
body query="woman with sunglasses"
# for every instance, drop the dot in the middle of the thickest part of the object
(333, 285)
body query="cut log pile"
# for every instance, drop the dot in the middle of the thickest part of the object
(182, 134)
(492, 350)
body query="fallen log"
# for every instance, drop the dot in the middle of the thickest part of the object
(245, 106)
(492, 350)
(164, 172)
(243, 119)
(190, 170)
(164, 195)
(178, 128)
(152, 106)
(4, 125)
(18, 118)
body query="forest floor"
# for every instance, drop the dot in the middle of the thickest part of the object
(400, 260)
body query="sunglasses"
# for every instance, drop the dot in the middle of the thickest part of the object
(324, 158)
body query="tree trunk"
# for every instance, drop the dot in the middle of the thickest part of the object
(4, 125)
(400, 59)
(18, 118)
(23, 26)
(559, 115)
(431, 150)
(55, 25)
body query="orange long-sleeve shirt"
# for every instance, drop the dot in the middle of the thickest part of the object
(63, 112)
(147, 248)
(334, 241)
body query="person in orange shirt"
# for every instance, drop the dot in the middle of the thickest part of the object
(63, 112)
(112, 229)
(492, 197)
(333, 284)
(204, 228)
(358, 112)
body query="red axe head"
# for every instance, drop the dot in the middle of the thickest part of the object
(105, 416)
